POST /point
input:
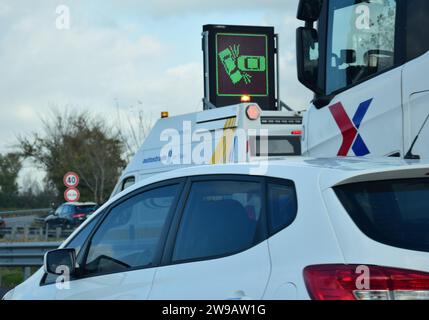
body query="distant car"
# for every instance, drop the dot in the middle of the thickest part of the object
(70, 215)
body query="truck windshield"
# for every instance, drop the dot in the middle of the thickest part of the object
(393, 212)
(361, 40)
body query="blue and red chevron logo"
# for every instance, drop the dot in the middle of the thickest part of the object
(350, 128)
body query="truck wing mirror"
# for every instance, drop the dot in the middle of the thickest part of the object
(309, 10)
(307, 58)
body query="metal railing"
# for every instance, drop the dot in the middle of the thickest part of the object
(25, 255)
(24, 212)
(12, 234)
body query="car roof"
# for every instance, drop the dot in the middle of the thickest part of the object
(330, 171)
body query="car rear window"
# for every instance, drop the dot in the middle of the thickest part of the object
(393, 212)
(85, 209)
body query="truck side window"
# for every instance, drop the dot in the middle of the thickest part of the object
(129, 235)
(220, 218)
(417, 27)
(128, 182)
(282, 205)
(361, 41)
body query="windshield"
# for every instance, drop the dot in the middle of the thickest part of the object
(361, 40)
(393, 212)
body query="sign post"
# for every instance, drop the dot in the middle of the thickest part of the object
(71, 181)
(238, 61)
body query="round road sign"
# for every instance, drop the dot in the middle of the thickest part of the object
(71, 180)
(72, 195)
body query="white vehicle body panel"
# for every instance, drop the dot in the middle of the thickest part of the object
(191, 129)
(399, 106)
(415, 93)
(322, 233)
(190, 279)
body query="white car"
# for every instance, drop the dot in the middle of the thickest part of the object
(289, 229)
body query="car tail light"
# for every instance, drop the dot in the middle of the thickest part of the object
(296, 132)
(345, 282)
(79, 215)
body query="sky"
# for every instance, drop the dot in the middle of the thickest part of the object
(135, 54)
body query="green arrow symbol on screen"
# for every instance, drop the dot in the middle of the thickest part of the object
(237, 67)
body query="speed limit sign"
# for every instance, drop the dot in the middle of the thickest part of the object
(71, 180)
(72, 195)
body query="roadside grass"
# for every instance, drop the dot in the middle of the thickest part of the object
(11, 277)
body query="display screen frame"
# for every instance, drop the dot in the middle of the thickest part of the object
(212, 66)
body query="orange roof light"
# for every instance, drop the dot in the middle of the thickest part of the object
(164, 114)
(253, 112)
(245, 98)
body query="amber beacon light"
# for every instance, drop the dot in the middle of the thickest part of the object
(164, 114)
(245, 98)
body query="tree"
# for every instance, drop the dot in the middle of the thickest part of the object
(133, 130)
(10, 165)
(77, 142)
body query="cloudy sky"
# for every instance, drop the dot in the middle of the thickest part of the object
(118, 52)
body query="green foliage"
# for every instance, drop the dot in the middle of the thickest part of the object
(81, 143)
(10, 165)
(11, 277)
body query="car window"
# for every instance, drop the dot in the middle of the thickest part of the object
(282, 205)
(58, 211)
(76, 243)
(393, 212)
(220, 218)
(85, 208)
(64, 211)
(130, 234)
(69, 209)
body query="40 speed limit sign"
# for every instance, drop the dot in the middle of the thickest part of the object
(71, 180)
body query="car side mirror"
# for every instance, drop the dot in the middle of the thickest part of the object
(60, 261)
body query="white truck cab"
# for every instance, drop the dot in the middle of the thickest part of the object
(367, 63)
(230, 134)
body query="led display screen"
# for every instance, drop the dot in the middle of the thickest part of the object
(240, 61)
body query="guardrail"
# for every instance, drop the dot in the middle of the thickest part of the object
(25, 255)
(24, 212)
(33, 233)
